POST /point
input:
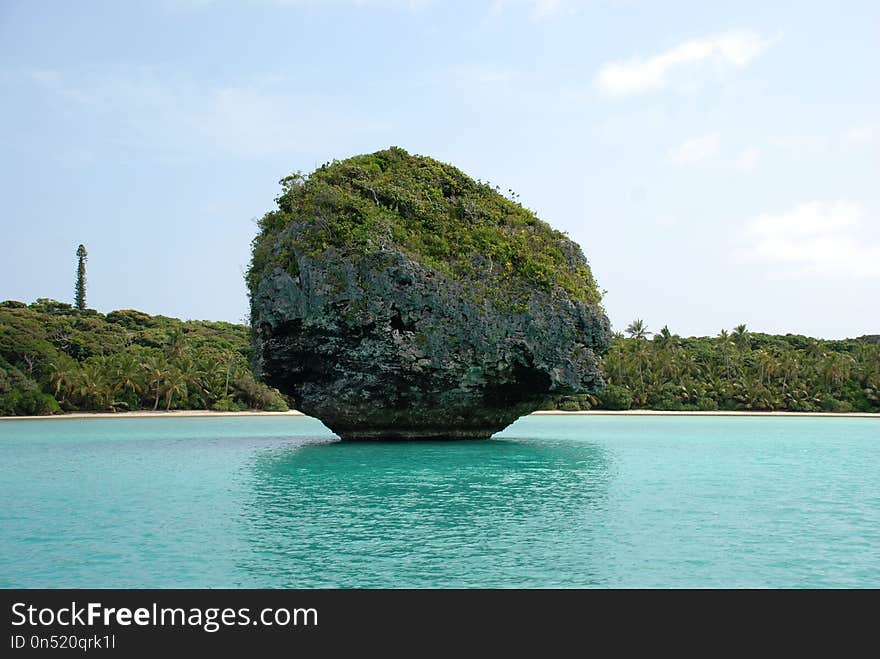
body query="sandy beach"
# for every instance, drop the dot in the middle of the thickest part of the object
(143, 414)
(861, 415)
(179, 414)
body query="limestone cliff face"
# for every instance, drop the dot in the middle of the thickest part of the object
(382, 340)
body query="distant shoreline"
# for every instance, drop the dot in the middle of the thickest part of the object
(150, 414)
(858, 415)
(181, 414)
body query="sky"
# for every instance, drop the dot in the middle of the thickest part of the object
(717, 162)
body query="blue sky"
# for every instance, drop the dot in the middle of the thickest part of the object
(718, 162)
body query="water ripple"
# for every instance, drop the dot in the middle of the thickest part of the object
(552, 502)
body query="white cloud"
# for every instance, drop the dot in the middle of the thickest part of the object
(638, 74)
(695, 150)
(748, 159)
(816, 239)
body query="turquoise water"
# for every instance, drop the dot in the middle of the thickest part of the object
(560, 501)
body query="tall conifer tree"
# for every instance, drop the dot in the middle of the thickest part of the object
(80, 295)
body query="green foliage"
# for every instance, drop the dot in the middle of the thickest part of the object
(830, 404)
(740, 370)
(20, 395)
(28, 403)
(431, 211)
(80, 287)
(227, 405)
(615, 397)
(572, 403)
(54, 357)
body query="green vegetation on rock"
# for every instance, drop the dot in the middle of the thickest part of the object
(56, 358)
(433, 213)
(395, 297)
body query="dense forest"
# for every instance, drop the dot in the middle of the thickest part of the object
(736, 370)
(55, 358)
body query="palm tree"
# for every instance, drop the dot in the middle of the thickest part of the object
(193, 376)
(175, 384)
(741, 336)
(213, 374)
(666, 339)
(91, 386)
(62, 376)
(228, 362)
(177, 345)
(127, 374)
(156, 368)
(767, 366)
(836, 368)
(638, 330)
(616, 357)
(726, 344)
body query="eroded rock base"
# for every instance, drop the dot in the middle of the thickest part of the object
(417, 434)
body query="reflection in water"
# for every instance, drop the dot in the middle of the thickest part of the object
(504, 512)
(247, 502)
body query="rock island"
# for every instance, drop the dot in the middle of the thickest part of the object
(394, 297)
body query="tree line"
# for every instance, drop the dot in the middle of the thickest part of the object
(735, 370)
(55, 358)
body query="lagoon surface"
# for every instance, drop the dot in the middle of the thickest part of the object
(553, 501)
